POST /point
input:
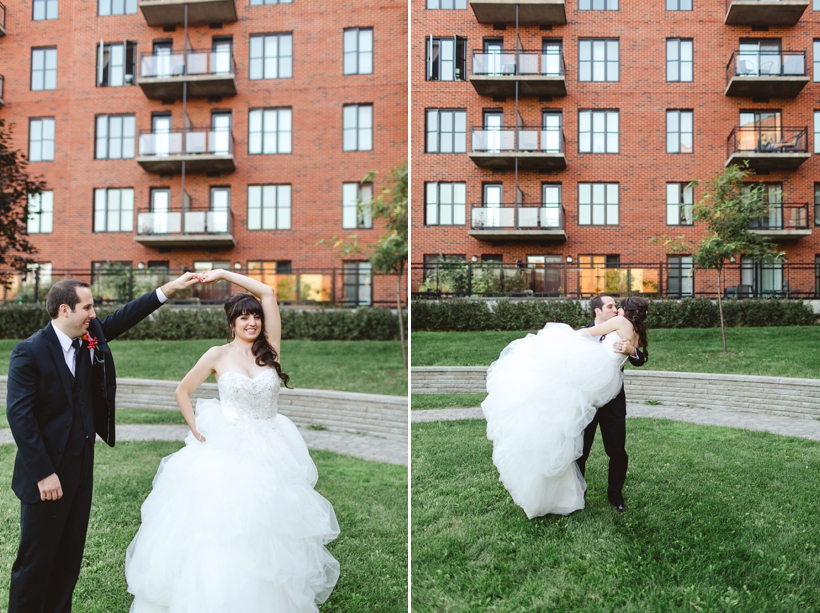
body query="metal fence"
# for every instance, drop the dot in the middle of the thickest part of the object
(658, 280)
(324, 287)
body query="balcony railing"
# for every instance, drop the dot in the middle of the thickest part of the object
(517, 221)
(786, 221)
(2, 19)
(528, 12)
(208, 74)
(764, 12)
(778, 74)
(538, 73)
(183, 222)
(532, 147)
(172, 12)
(768, 149)
(203, 150)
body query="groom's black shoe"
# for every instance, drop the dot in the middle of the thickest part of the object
(619, 506)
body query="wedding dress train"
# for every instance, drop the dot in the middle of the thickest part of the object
(233, 523)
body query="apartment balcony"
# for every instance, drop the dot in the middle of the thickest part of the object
(776, 74)
(185, 228)
(208, 74)
(172, 12)
(517, 222)
(786, 222)
(2, 90)
(768, 149)
(201, 150)
(2, 19)
(530, 12)
(777, 13)
(536, 73)
(499, 148)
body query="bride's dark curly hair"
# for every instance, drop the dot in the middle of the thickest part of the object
(247, 304)
(635, 310)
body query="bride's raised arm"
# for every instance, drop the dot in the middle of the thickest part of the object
(266, 295)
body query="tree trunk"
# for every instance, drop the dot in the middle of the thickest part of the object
(720, 308)
(401, 320)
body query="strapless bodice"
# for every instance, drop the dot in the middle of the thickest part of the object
(609, 342)
(254, 398)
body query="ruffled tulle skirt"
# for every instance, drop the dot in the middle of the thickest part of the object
(234, 524)
(543, 391)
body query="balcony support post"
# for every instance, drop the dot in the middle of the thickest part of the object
(517, 70)
(184, 113)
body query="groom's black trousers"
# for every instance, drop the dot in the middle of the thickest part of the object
(52, 538)
(612, 419)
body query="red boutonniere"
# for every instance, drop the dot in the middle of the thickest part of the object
(92, 341)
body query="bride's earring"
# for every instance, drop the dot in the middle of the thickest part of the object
(233, 333)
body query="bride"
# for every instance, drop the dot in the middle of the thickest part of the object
(543, 391)
(233, 522)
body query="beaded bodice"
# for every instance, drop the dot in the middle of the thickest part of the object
(608, 342)
(253, 398)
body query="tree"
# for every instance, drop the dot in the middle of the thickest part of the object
(728, 212)
(389, 254)
(16, 187)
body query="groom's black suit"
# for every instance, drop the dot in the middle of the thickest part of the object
(54, 417)
(612, 419)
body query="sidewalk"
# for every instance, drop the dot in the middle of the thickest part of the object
(785, 426)
(356, 445)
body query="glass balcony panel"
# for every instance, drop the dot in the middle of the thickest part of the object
(195, 222)
(218, 222)
(528, 217)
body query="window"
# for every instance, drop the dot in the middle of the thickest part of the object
(261, 2)
(816, 60)
(289, 286)
(445, 204)
(678, 5)
(357, 282)
(678, 59)
(551, 205)
(446, 131)
(817, 209)
(269, 207)
(269, 131)
(357, 127)
(679, 131)
(446, 4)
(116, 7)
(41, 139)
(114, 210)
(680, 278)
(679, 201)
(44, 9)
(44, 68)
(597, 5)
(598, 274)
(598, 131)
(219, 217)
(817, 131)
(271, 57)
(358, 51)
(552, 137)
(598, 204)
(115, 64)
(598, 60)
(41, 212)
(446, 59)
(356, 199)
(115, 137)
(762, 279)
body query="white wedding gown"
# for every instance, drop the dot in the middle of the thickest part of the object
(543, 391)
(233, 523)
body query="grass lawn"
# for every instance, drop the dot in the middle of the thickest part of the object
(719, 519)
(777, 352)
(445, 401)
(370, 367)
(370, 500)
(130, 416)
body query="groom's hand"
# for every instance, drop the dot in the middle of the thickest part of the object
(624, 347)
(50, 488)
(186, 280)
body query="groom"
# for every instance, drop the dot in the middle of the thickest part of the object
(611, 416)
(60, 395)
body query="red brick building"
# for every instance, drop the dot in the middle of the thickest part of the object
(238, 139)
(558, 137)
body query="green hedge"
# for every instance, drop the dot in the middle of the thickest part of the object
(462, 315)
(167, 324)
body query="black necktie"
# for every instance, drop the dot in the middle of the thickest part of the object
(76, 343)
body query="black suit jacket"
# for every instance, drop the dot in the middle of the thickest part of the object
(39, 401)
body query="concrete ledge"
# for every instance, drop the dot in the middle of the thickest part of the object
(371, 414)
(770, 395)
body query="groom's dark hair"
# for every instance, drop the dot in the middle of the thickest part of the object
(63, 292)
(598, 303)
